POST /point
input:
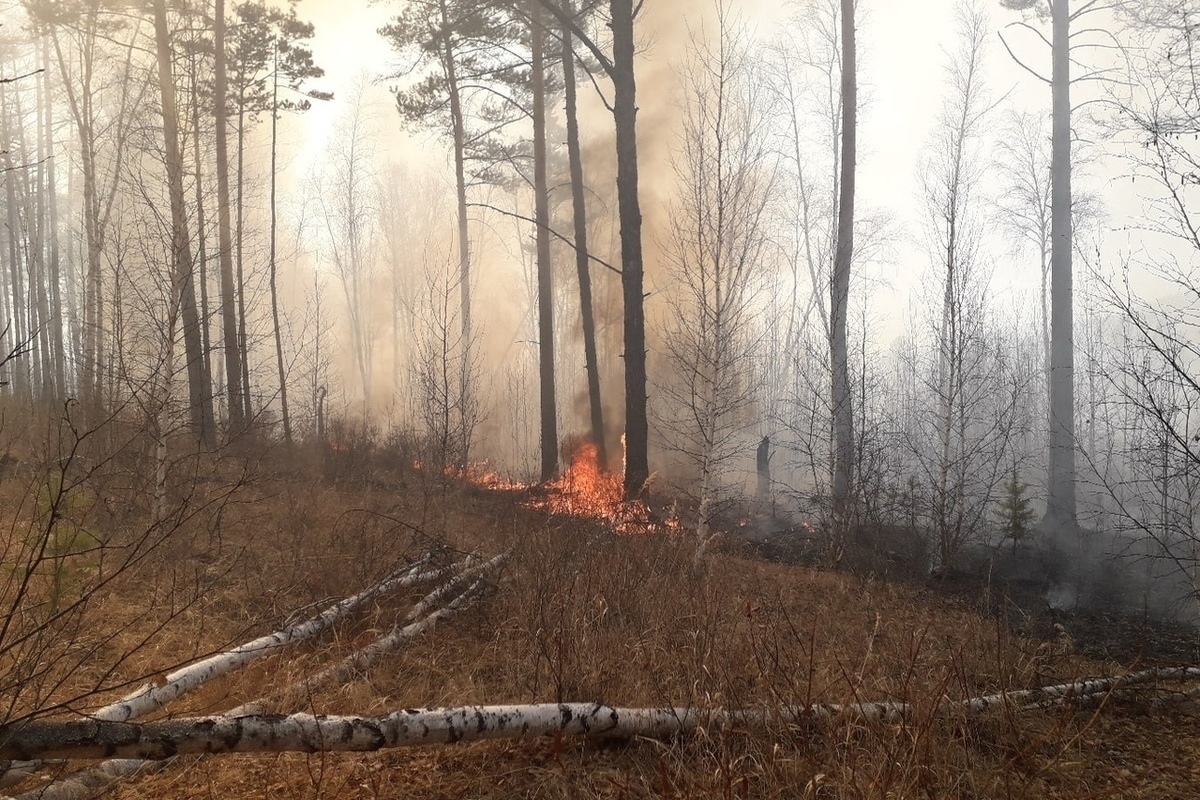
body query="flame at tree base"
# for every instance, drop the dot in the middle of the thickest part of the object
(585, 489)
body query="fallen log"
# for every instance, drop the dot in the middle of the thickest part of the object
(410, 727)
(86, 783)
(420, 618)
(151, 697)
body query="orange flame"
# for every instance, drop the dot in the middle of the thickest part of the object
(585, 489)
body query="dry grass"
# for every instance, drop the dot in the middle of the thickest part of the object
(582, 615)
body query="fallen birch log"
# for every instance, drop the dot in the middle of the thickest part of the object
(151, 697)
(409, 727)
(391, 641)
(86, 783)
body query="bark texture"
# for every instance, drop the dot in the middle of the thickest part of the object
(94, 739)
(1060, 499)
(545, 274)
(842, 402)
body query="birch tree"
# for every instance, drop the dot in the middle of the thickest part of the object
(973, 418)
(348, 208)
(719, 238)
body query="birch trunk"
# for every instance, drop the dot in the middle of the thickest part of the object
(306, 733)
(94, 739)
(150, 697)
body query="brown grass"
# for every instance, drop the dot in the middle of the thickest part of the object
(582, 615)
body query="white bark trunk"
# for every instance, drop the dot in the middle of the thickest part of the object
(87, 782)
(150, 697)
(409, 727)
(419, 619)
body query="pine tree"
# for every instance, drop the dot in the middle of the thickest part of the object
(1015, 510)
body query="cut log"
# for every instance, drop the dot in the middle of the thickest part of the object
(308, 733)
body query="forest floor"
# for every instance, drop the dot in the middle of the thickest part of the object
(581, 614)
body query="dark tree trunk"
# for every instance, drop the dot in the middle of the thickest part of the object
(58, 352)
(549, 405)
(243, 343)
(842, 400)
(283, 402)
(579, 210)
(460, 177)
(637, 467)
(1060, 502)
(201, 227)
(229, 330)
(183, 283)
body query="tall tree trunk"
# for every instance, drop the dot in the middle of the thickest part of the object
(283, 403)
(58, 352)
(77, 85)
(545, 277)
(579, 211)
(460, 178)
(229, 331)
(637, 466)
(243, 345)
(183, 283)
(201, 226)
(38, 282)
(1060, 501)
(19, 305)
(842, 401)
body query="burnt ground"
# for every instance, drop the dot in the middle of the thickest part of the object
(1035, 590)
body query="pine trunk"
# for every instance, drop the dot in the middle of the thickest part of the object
(842, 400)
(637, 433)
(1060, 501)
(183, 284)
(579, 211)
(229, 331)
(545, 276)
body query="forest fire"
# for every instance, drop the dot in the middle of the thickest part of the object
(586, 489)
